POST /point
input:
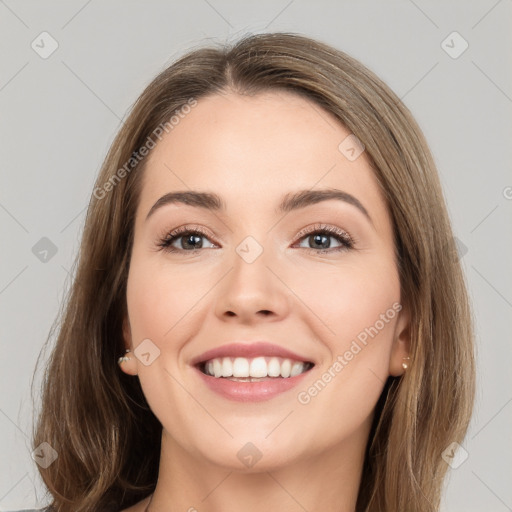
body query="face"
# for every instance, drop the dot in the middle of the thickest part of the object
(317, 278)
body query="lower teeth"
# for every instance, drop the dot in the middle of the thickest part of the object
(248, 379)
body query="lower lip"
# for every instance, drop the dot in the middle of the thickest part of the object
(250, 391)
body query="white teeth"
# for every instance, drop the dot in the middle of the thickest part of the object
(274, 367)
(258, 367)
(217, 368)
(297, 368)
(286, 366)
(227, 367)
(240, 367)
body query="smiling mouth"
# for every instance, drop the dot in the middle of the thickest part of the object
(256, 369)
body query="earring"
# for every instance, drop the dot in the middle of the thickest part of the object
(405, 365)
(122, 359)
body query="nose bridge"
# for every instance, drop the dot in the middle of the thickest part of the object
(251, 288)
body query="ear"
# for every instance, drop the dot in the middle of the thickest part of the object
(129, 367)
(401, 343)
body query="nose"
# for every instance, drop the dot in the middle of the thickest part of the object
(253, 292)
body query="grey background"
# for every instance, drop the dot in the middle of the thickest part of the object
(59, 116)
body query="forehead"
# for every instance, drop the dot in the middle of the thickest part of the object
(253, 149)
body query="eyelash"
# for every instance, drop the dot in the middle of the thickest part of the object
(347, 241)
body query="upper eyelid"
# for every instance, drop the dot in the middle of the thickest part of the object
(186, 229)
(329, 228)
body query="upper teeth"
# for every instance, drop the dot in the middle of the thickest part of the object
(256, 367)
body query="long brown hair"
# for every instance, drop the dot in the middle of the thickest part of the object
(96, 417)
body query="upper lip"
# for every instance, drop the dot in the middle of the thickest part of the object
(248, 350)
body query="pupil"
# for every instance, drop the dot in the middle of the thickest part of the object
(191, 240)
(318, 239)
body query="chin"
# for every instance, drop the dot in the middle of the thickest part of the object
(252, 452)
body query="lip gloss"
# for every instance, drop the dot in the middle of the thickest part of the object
(263, 389)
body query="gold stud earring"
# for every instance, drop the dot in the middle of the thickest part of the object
(405, 365)
(122, 359)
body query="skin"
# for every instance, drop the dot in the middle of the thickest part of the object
(251, 150)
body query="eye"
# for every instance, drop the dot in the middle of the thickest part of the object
(318, 239)
(184, 239)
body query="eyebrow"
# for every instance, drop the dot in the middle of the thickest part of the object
(290, 202)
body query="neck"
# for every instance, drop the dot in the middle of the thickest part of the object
(327, 481)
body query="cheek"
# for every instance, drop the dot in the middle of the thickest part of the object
(161, 299)
(349, 299)
(360, 307)
(146, 310)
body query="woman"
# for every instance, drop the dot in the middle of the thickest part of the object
(267, 310)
